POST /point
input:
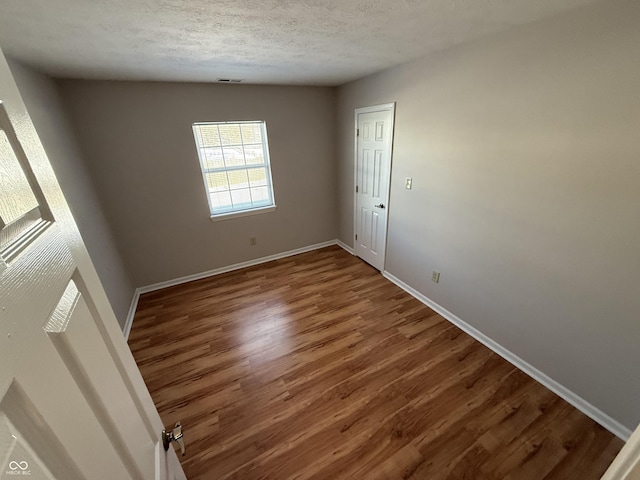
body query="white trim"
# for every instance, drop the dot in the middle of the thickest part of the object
(132, 313)
(355, 180)
(219, 217)
(346, 247)
(230, 268)
(585, 407)
(376, 108)
(217, 271)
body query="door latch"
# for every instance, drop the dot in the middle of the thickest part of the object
(381, 205)
(174, 435)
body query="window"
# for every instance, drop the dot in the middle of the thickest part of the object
(234, 158)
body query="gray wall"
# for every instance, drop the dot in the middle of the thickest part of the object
(141, 155)
(43, 103)
(524, 150)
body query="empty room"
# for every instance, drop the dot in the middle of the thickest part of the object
(319, 239)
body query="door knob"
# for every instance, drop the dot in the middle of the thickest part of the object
(174, 435)
(380, 205)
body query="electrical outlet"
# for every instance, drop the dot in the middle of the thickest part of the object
(408, 182)
(435, 276)
(252, 240)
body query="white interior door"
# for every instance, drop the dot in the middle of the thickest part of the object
(374, 140)
(626, 466)
(73, 404)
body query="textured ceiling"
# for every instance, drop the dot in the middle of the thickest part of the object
(313, 42)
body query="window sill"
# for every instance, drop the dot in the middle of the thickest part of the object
(228, 216)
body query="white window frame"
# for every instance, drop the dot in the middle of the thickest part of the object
(216, 214)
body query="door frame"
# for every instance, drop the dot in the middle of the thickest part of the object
(362, 110)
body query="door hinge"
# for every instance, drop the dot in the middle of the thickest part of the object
(356, 188)
(357, 132)
(356, 236)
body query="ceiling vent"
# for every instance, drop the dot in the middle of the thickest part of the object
(229, 80)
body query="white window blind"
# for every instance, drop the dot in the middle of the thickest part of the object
(234, 158)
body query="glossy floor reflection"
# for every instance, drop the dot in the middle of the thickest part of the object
(315, 366)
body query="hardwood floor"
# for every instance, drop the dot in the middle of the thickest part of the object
(317, 367)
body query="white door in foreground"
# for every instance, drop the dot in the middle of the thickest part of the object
(374, 139)
(626, 466)
(72, 402)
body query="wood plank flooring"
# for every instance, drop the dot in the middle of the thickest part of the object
(317, 367)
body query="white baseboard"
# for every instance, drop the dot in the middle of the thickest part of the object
(132, 313)
(585, 407)
(217, 271)
(346, 247)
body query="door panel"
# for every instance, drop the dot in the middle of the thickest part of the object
(74, 333)
(375, 231)
(33, 285)
(373, 172)
(72, 402)
(23, 201)
(377, 173)
(626, 466)
(19, 415)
